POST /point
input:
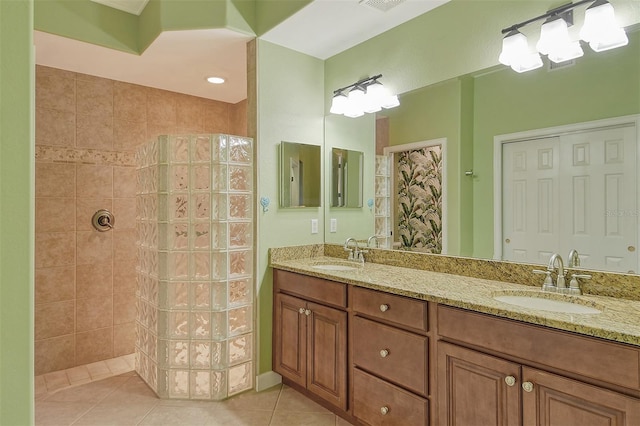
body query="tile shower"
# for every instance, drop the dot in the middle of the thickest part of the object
(87, 131)
(195, 236)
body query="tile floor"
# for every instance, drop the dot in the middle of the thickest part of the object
(125, 399)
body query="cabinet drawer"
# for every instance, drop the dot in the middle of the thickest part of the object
(400, 310)
(405, 361)
(588, 357)
(372, 397)
(311, 288)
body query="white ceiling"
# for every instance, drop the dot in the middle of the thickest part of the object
(325, 28)
(180, 61)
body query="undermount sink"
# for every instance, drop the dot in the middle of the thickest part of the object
(334, 267)
(548, 302)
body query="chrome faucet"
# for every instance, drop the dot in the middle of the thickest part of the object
(354, 253)
(574, 259)
(375, 239)
(555, 258)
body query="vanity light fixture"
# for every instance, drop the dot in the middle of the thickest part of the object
(600, 30)
(364, 96)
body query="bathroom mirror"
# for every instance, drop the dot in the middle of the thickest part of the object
(300, 174)
(346, 177)
(471, 110)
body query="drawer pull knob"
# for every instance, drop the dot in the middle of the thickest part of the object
(301, 310)
(527, 386)
(384, 410)
(510, 380)
(384, 307)
(384, 353)
(307, 312)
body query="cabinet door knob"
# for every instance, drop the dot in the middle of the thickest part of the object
(307, 312)
(384, 410)
(384, 353)
(301, 310)
(510, 380)
(384, 307)
(527, 386)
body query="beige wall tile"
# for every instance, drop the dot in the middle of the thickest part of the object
(54, 319)
(94, 313)
(216, 117)
(55, 249)
(55, 284)
(55, 127)
(129, 102)
(124, 210)
(54, 354)
(128, 135)
(94, 131)
(95, 345)
(190, 114)
(94, 280)
(124, 244)
(238, 118)
(56, 90)
(86, 208)
(124, 276)
(124, 308)
(55, 180)
(44, 71)
(94, 181)
(124, 337)
(94, 247)
(156, 129)
(94, 95)
(124, 182)
(55, 214)
(161, 107)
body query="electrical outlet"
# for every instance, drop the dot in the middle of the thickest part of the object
(333, 227)
(314, 226)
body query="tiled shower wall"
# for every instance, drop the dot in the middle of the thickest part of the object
(87, 129)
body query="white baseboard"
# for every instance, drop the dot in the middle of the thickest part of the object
(267, 380)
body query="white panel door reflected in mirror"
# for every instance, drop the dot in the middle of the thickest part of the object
(346, 178)
(300, 168)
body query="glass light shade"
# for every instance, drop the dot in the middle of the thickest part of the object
(567, 52)
(617, 38)
(528, 62)
(338, 104)
(599, 19)
(553, 35)
(514, 45)
(356, 97)
(375, 95)
(353, 111)
(390, 101)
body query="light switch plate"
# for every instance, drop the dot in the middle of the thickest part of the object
(333, 225)
(314, 226)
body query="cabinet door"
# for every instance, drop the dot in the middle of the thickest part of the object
(556, 400)
(327, 353)
(289, 338)
(472, 389)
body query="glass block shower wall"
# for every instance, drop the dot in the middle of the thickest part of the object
(194, 319)
(383, 201)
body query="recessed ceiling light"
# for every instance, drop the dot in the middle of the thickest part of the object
(215, 80)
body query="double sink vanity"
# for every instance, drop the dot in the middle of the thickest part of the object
(390, 341)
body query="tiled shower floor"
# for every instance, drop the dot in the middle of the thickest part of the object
(124, 399)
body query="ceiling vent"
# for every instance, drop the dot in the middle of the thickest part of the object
(382, 5)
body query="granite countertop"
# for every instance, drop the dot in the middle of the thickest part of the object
(619, 320)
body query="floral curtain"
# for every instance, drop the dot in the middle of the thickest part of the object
(420, 199)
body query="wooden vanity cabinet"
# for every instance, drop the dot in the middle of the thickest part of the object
(309, 337)
(390, 358)
(501, 372)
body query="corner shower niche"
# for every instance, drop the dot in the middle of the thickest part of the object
(194, 299)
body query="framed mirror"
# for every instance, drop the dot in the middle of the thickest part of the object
(300, 174)
(346, 178)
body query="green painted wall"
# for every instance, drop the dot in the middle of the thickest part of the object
(16, 212)
(290, 108)
(598, 86)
